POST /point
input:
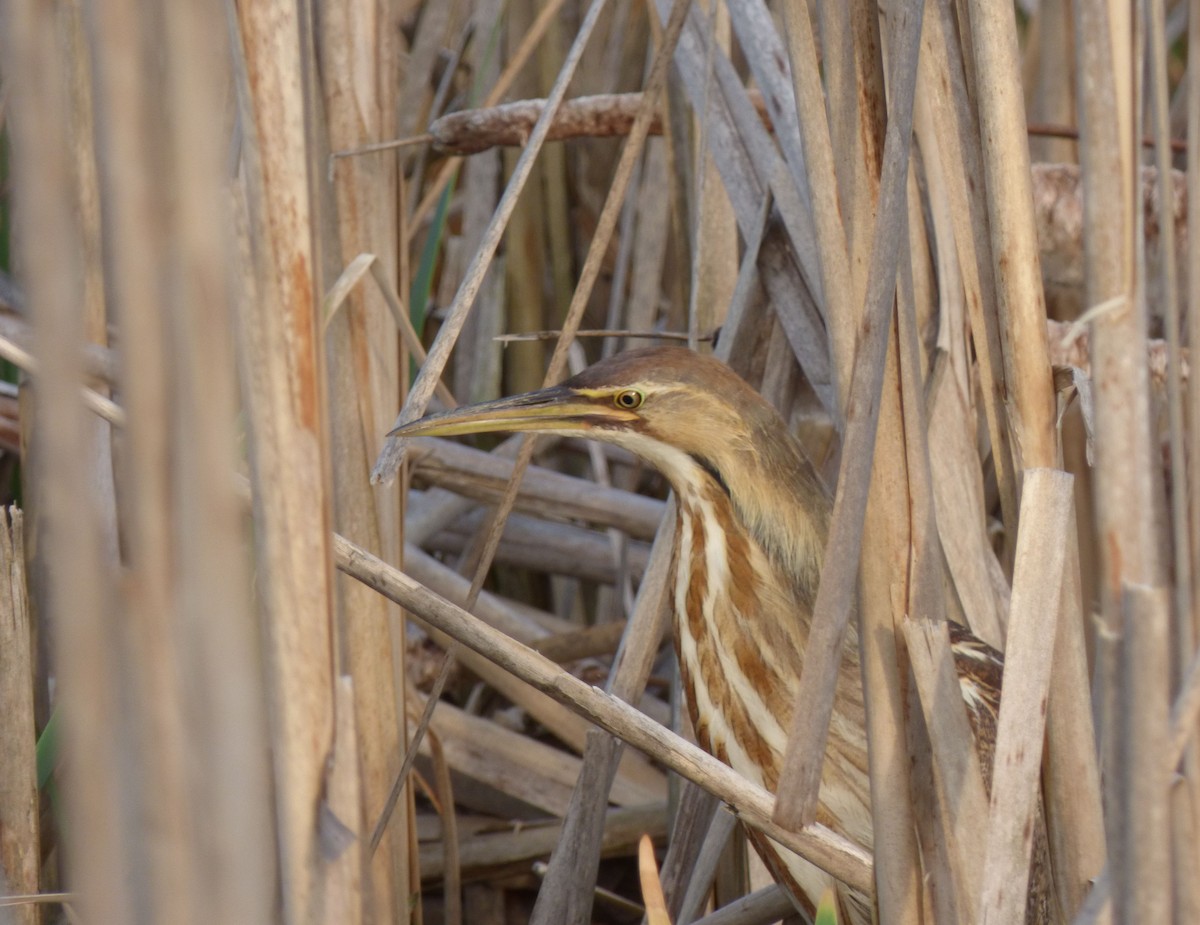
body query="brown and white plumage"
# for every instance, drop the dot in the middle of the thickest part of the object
(752, 523)
(749, 545)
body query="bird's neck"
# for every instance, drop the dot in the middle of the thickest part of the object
(747, 568)
(781, 504)
(736, 633)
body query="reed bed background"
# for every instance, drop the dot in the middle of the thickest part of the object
(949, 241)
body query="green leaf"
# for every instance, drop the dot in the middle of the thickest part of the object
(422, 284)
(47, 751)
(827, 910)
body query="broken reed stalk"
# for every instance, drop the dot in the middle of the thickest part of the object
(1071, 768)
(1071, 803)
(1046, 517)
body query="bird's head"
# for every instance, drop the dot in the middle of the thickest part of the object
(692, 418)
(666, 404)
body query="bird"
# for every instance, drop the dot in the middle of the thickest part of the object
(752, 521)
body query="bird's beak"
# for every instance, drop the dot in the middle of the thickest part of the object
(558, 408)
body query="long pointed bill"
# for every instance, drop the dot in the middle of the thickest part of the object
(558, 408)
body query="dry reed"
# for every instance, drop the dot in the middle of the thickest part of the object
(234, 239)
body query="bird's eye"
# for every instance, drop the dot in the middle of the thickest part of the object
(628, 399)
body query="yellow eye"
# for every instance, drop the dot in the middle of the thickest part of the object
(628, 399)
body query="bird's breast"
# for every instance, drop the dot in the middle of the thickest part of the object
(740, 637)
(740, 634)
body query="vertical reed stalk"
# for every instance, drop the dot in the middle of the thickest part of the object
(358, 52)
(1126, 526)
(20, 846)
(284, 397)
(166, 794)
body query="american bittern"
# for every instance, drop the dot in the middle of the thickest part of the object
(752, 522)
